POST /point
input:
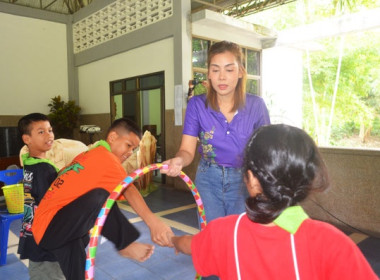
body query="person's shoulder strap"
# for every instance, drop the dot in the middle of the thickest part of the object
(293, 247)
(235, 245)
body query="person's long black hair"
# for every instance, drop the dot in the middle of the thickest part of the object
(288, 165)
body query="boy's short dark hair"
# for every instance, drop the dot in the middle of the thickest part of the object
(25, 121)
(126, 125)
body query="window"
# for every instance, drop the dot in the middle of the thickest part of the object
(142, 99)
(139, 99)
(117, 87)
(200, 49)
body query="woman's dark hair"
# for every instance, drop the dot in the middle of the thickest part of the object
(124, 125)
(25, 121)
(288, 165)
(239, 97)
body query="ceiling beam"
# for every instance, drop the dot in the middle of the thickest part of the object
(255, 6)
(67, 3)
(209, 4)
(48, 5)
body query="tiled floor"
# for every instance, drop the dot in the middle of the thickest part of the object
(177, 209)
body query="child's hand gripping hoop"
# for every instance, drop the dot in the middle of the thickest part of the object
(100, 220)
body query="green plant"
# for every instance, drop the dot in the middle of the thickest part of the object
(64, 117)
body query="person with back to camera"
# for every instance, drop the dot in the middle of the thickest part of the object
(223, 120)
(70, 207)
(275, 238)
(39, 173)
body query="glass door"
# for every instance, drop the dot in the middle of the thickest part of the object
(141, 99)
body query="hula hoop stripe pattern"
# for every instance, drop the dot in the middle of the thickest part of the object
(103, 213)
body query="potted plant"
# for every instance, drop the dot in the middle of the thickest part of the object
(64, 117)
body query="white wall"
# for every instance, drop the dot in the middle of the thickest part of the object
(282, 84)
(210, 24)
(33, 64)
(94, 78)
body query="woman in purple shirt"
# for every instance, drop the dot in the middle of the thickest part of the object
(223, 121)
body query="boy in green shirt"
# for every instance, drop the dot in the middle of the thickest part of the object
(39, 173)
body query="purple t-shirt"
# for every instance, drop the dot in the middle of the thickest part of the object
(221, 142)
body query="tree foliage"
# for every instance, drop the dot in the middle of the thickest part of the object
(358, 95)
(341, 85)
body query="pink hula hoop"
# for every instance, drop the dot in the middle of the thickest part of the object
(100, 220)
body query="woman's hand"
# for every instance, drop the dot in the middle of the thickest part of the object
(174, 167)
(183, 158)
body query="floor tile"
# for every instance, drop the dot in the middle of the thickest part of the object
(188, 217)
(167, 268)
(371, 250)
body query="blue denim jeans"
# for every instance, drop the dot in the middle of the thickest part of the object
(222, 189)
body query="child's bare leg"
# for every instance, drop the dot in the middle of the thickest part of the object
(137, 251)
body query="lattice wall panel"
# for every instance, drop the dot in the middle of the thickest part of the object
(118, 18)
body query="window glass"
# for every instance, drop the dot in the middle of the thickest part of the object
(253, 62)
(252, 86)
(131, 84)
(199, 87)
(117, 106)
(151, 81)
(200, 48)
(244, 51)
(130, 106)
(117, 87)
(199, 77)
